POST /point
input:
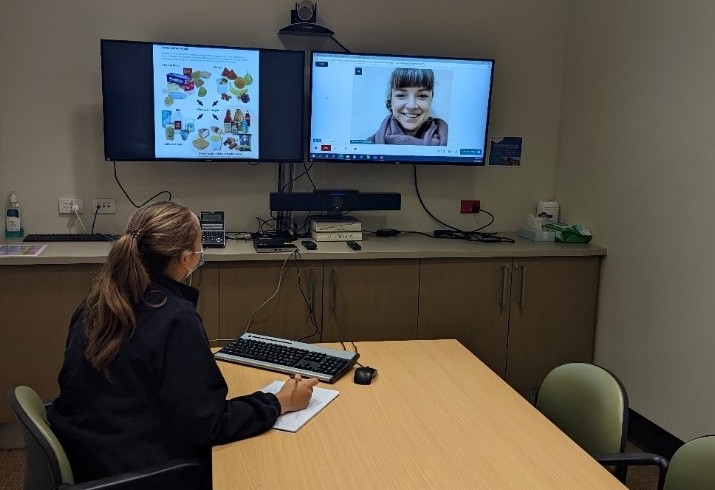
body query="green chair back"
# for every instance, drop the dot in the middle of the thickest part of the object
(47, 462)
(692, 467)
(589, 404)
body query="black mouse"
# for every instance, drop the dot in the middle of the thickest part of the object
(364, 375)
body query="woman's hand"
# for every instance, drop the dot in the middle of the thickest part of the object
(295, 393)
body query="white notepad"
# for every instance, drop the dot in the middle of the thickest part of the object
(292, 421)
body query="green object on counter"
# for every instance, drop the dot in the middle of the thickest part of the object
(569, 233)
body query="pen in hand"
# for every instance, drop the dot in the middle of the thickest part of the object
(296, 393)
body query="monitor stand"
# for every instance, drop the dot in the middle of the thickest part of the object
(284, 219)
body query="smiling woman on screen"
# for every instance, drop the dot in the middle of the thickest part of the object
(410, 122)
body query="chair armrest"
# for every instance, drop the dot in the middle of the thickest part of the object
(635, 459)
(175, 474)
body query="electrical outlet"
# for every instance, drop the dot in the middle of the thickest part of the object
(469, 206)
(64, 205)
(105, 205)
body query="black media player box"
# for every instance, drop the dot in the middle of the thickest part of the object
(272, 245)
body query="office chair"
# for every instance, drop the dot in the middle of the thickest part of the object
(590, 405)
(692, 466)
(47, 466)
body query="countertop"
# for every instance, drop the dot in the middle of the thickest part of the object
(405, 246)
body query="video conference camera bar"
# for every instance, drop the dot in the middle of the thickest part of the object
(335, 201)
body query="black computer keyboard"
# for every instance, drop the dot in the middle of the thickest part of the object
(288, 356)
(69, 237)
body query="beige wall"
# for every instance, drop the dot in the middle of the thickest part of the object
(51, 116)
(636, 164)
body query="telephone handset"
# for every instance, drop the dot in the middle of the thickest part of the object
(213, 231)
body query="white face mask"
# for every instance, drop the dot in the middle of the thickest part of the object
(190, 271)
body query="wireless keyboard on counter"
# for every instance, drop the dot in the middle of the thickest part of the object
(288, 356)
(69, 237)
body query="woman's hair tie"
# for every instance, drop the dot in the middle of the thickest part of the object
(135, 233)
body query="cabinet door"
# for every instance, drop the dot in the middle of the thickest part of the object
(553, 316)
(245, 286)
(36, 304)
(205, 279)
(370, 300)
(467, 300)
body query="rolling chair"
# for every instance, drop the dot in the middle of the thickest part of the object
(590, 405)
(47, 466)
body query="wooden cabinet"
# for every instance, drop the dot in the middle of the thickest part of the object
(552, 316)
(36, 305)
(370, 299)
(249, 291)
(468, 300)
(522, 317)
(206, 280)
(348, 299)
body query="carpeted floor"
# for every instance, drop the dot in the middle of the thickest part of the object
(641, 477)
(12, 468)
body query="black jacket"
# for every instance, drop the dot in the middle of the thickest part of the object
(166, 398)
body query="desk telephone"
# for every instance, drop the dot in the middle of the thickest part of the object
(213, 231)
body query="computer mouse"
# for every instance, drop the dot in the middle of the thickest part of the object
(364, 375)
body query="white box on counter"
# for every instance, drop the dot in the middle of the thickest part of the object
(536, 235)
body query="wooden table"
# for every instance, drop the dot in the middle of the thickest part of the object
(435, 417)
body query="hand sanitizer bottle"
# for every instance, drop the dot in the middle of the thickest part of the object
(13, 218)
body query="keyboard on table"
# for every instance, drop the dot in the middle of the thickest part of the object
(69, 237)
(288, 356)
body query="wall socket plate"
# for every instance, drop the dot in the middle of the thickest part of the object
(64, 205)
(469, 206)
(106, 205)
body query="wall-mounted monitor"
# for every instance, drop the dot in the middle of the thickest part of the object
(369, 108)
(201, 103)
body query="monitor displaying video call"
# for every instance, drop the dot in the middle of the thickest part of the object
(368, 108)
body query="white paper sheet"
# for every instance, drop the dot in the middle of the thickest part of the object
(292, 421)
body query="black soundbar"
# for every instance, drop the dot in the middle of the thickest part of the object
(335, 200)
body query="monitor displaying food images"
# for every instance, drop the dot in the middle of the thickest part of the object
(208, 103)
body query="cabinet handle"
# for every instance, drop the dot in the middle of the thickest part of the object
(504, 281)
(333, 287)
(311, 285)
(523, 286)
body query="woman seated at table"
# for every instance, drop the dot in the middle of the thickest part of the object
(139, 385)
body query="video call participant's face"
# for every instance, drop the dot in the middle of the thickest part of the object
(411, 107)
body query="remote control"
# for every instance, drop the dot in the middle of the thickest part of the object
(308, 244)
(354, 245)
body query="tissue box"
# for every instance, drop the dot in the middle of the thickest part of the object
(536, 236)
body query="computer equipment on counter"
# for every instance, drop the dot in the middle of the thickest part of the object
(309, 245)
(213, 230)
(272, 245)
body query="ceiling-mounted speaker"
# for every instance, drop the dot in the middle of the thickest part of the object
(303, 21)
(305, 11)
